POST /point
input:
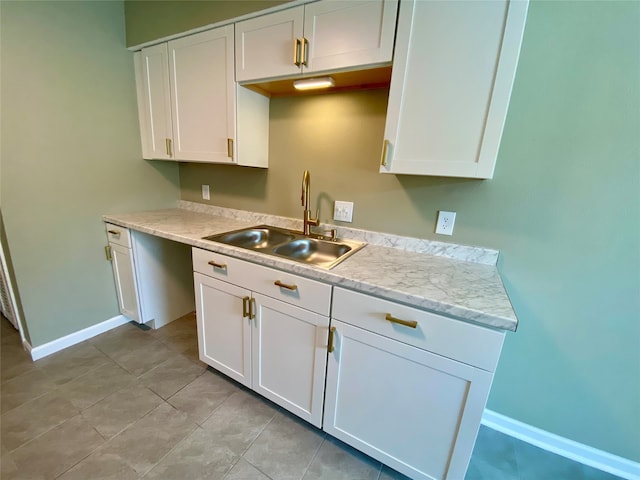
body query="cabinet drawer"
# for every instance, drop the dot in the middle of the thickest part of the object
(303, 292)
(464, 342)
(220, 266)
(118, 235)
(290, 288)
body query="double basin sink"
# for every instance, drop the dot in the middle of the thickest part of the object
(312, 250)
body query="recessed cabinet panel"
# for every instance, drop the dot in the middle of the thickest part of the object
(317, 37)
(188, 103)
(155, 103)
(290, 357)
(349, 33)
(123, 274)
(223, 333)
(453, 72)
(411, 409)
(203, 95)
(265, 46)
(271, 345)
(464, 342)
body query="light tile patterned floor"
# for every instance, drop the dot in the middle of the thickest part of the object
(133, 404)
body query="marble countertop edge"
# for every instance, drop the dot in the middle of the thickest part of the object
(490, 307)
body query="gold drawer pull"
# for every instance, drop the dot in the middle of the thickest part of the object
(245, 307)
(305, 51)
(330, 346)
(284, 285)
(296, 52)
(385, 151)
(217, 265)
(406, 323)
(230, 147)
(252, 309)
(114, 232)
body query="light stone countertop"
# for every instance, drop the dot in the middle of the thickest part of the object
(424, 274)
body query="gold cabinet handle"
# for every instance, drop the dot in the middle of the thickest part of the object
(107, 252)
(406, 323)
(230, 147)
(217, 265)
(167, 144)
(252, 309)
(245, 307)
(296, 52)
(330, 346)
(284, 285)
(114, 232)
(385, 151)
(305, 51)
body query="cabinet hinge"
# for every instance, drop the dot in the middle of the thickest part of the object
(107, 252)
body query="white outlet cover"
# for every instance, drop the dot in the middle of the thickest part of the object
(446, 220)
(205, 192)
(343, 211)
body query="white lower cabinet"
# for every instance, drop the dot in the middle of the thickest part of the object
(271, 337)
(395, 394)
(152, 276)
(224, 333)
(403, 385)
(123, 276)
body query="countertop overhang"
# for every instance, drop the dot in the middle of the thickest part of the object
(463, 290)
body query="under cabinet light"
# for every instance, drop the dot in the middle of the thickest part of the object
(311, 83)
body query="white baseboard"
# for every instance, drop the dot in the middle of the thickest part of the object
(76, 337)
(575, 451)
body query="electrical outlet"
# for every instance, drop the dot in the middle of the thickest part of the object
(343, 211)
(444, 226)
(205, 192)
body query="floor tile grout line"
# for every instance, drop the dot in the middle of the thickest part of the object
(254, 466)
(78, 413)
(28, 401)
(515, 457)
(180, 442)
(258, 435)
(55, 387)
(129, 424)
(315, 454)
(90, 453)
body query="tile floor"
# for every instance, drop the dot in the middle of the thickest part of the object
(133, 404)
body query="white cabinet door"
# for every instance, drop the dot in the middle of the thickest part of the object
(123, 275)
(266, 46)
(317, 37)
(413, 410)
(224, 334)
(349, 33)
(154, 102)
(203, 96)
(290, 356)
(453, 71)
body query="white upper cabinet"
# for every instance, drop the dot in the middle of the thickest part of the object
(454, 67)
(154, 101)
(203, 96)
(317, 37)
(266, 46)
(190, 107)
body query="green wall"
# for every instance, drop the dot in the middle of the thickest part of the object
(563, 209)
(152, 19)
(70, 152)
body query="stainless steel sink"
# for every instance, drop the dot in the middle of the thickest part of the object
(313, 250)
(256, 238)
